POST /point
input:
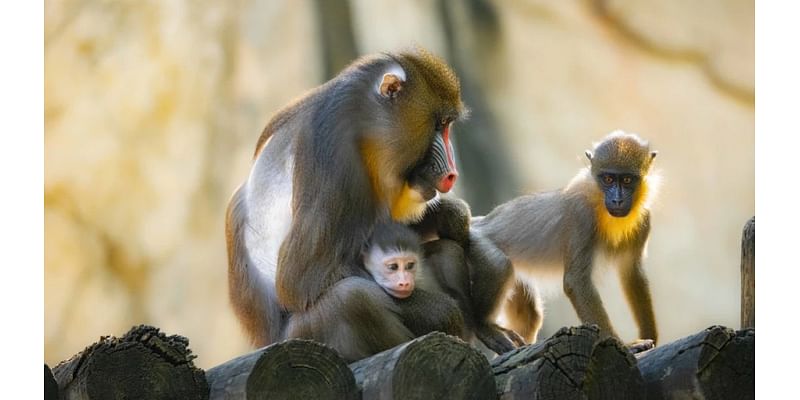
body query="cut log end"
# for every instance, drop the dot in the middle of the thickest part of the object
(457, 370)
(714, 364)
(143, 363)
(613, 372)
(572, 364)
(435, 366)
(301, 369)
(727, 364)
(50, 385)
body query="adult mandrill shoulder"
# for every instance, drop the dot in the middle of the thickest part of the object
(604, 211)
(326, 168)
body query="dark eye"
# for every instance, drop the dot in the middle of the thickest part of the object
(410, 266)
(442, 123)
(627, 180)
(393, 267)
(607, 179)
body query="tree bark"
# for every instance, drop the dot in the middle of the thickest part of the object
(142, 364)
(749, 274)
(336, 38)
(434, 366)
(717, 363)
(572, 364)
(293, 369)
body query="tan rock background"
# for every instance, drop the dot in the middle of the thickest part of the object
(152, 110)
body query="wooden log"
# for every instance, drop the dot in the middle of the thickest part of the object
(142, 364)
(572, 364)
(749, 274)
(717, 363)
(293, 369)
(50, 385)
(434, 366)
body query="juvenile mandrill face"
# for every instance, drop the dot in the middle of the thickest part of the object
(619, 190)
(618, 164)
(394, 271)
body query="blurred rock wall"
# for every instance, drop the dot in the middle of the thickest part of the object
(152, 110)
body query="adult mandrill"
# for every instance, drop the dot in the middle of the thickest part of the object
(327, 167)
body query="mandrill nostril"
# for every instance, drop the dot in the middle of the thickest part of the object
(447, 182)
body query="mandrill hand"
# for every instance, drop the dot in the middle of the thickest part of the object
(498, 339)
(640, 345)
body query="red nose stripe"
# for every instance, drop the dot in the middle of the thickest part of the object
(451, 162)
(449, 180)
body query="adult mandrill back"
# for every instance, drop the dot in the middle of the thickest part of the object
(604, 211)
(327, 167)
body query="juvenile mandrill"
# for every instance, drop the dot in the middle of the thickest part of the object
(394, 258)
(428, 280)
(602, 213)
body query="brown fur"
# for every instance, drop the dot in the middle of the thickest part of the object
(326, 168)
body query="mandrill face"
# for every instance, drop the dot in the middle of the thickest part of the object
(618, 190)
(395, 271)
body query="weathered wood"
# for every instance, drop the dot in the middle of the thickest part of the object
(717, 363)
(749, 274)
(50, 385)
(434, 366)
(142, 364)
(572, 364)
(293, 369)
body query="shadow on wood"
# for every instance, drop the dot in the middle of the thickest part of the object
(293, 369)
(572, 364)
(142, 364)
(717, 363)
(434, 366)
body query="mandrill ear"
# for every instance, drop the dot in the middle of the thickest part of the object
(390, 85)
(392, 81)
(588, 155)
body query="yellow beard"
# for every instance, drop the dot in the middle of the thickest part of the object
(409, 206)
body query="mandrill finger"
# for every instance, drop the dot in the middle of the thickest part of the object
(494, 339)
(640, 345)
(513, 336)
